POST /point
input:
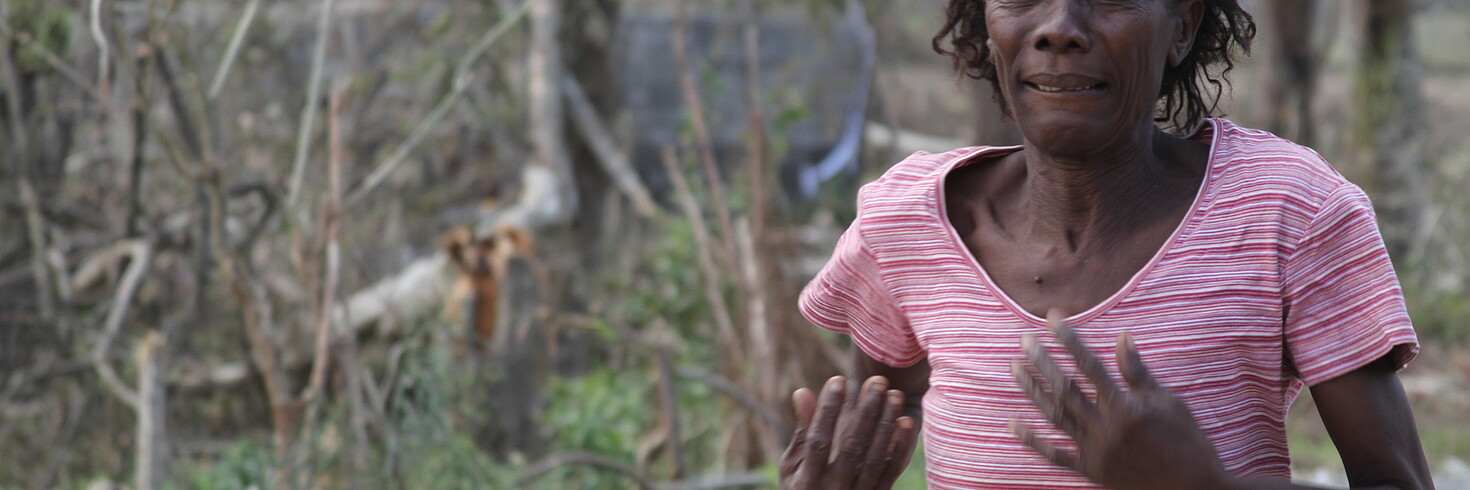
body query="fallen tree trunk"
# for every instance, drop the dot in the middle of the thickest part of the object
(417, 291)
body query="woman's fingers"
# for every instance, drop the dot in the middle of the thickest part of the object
(820, 434)
(1130, 362)
(1045, 448)
(856, 436)
(1088, 362)
(871, 440)
(805, 404)
(879, 449)
(905, 437)
(1031, 386)
(1064, 404)
(1046, 400)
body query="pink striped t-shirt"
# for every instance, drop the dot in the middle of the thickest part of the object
(1276, 278)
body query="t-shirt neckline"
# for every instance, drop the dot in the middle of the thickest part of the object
(1217, 128)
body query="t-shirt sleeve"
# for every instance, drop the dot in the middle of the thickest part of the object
(1344, 306)
(849, 296)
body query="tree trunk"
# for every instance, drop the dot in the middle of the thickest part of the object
(547, 125)
(520, 353)
(1390, 118)
(1289, 75)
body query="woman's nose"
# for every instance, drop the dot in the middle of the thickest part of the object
(1063, 27)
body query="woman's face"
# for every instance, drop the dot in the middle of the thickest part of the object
(1081, 76)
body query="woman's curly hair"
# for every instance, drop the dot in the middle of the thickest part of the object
(1191, 91)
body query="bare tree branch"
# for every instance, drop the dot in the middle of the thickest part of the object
(141, 254)
(747, 479)
(759, 332)
(95, 25)
(256, 309)
(20, 141)
(231, 51)
(614, 161)
(309, 108)
(702, 140)
(749, 230)
(541, 468)
(462, 79)
(704, 248)
(669, 401)
(19, 154)
(331, 226)
(741, 396)
(55, 62)
(142, 101)
(35, 229)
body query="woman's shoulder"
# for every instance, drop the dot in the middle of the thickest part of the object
(1267, 161)
(908, 194)
(923, 165)
(921, 171)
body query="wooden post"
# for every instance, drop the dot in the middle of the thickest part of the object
(152, 438)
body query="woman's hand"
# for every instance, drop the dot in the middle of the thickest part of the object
(1139, 437)
(841, 443)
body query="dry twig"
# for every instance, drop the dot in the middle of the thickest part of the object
(751, 231)
(95, 25)
(704, 250)
(35, 229)
(309, 108)
(141, 253)
(701, 133)
(462, 79)
(19, 139)
(761, 336)
(331, 227)
(54, 61)
(541, 468)
(744, 398)
(614, 161)
(233, 50)
(142, 101)
(257, 316)
(668, 399)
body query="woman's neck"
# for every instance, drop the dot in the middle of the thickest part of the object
(1094, 200)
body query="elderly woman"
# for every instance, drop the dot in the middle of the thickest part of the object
(1208, 278)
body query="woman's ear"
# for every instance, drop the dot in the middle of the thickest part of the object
(1187, 18)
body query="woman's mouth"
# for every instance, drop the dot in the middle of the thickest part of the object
(1051, 89)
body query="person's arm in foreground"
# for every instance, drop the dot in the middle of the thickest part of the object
(863, 441)
(1142, 436)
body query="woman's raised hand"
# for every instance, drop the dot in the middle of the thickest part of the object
(858, 443)
(1139, 437)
